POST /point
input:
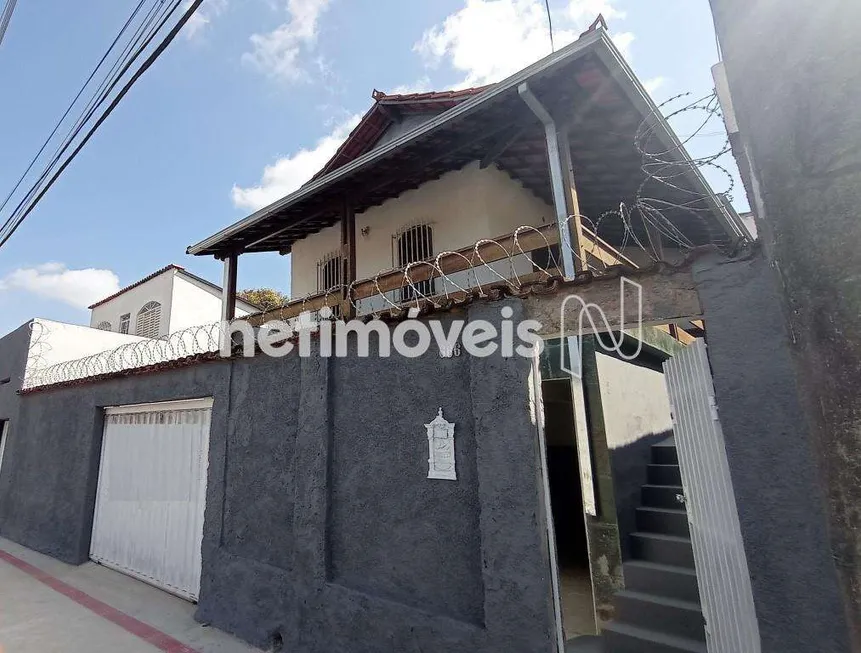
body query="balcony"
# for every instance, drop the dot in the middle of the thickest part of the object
(507, 263)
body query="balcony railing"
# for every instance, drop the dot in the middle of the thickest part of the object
(524, 256)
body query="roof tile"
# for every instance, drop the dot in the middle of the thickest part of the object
(171, 266)
(375, 122)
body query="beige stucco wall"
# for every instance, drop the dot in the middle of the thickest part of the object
(463, 206)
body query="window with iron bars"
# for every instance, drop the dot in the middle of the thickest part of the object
(330, 274)
(410, 245)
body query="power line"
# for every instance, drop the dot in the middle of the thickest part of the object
(550, 25)
(106, 86)
(153, 23)
(6, 16)
(70, 107)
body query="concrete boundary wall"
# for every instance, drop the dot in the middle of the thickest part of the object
(322, 530)
(778, 488)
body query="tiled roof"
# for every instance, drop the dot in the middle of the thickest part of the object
(150, 277)
(168, 268)
(378, 118)
(429, 95)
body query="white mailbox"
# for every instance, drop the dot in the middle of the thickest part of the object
(441, 449)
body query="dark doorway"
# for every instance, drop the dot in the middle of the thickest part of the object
(566, 501)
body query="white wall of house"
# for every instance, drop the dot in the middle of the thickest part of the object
(194, 303)
(185, 302)
(635, 401)
(57, 342)
(158, 289)
(463, 207)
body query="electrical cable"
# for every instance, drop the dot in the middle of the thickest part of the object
(550, 25)
(143, 37)
(6, 16)
(101, 93)
(71, 106)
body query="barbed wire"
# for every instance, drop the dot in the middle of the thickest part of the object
(39, 345)
(664, 203)
(190, 342)
(480, 272)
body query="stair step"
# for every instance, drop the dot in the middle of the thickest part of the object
(664, 474)
(662, 496)
(669, 521)
(663, 549)
(625, 638)
(661, 614)
(665, 454)
(661, 580)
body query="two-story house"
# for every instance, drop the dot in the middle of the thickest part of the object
(564, 168)
(307, 509)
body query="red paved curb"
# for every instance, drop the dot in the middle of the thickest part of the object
(134, 626)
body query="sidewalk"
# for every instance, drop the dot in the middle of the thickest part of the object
(47, 606)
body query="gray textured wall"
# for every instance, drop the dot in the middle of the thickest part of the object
(320, 522)
(13, 361)
(375, 556)
(51, 472)
(778, 492)
(796, 87)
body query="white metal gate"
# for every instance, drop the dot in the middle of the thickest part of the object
(148, 521)
(722, 573)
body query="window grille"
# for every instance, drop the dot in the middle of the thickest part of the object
(330, 270)
(330, 274)
(124, 322)
(413, 244)
(104, 326)
(149, 320)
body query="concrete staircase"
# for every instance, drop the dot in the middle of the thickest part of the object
(659, 609)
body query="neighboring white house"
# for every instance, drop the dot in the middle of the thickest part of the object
(168, 300)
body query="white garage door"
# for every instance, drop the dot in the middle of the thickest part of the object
(152, 492)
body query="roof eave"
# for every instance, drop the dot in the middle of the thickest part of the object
(569, 52)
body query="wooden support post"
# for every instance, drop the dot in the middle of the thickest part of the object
(348, 254)
(228, 288)
(572, 203)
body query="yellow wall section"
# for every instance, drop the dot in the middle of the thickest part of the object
(463, 206)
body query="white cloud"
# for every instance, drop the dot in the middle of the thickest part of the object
(280, 53)
(488, 40)
(204, 15)
(588, 10)
(623, 41)
(421, 85)
(78, 288)
(288, 173)
(653, 84)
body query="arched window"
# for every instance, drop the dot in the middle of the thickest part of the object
(414, 244)
(104, 326)
(329, 271)
(149, 320)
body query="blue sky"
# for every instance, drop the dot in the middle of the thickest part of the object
(245, 105)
